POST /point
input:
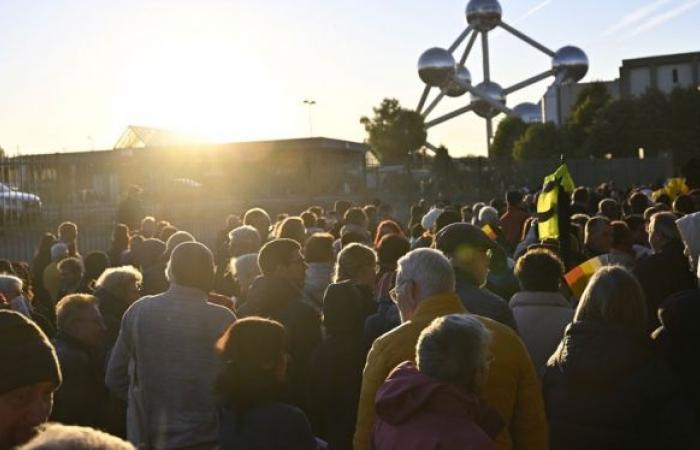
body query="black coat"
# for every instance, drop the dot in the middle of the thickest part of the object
(112, 310)
(604, 388)
(268, 426)
(662, 275)
(336, 368)
(275, 298)
(82, 399)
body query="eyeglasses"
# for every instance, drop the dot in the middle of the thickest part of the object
(394, 292)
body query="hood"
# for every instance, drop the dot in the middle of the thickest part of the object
(689, 227)
(407, 393)
(600, 354)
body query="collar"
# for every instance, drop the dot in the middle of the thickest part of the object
(462, 277)
(539, 298)
(437, 306)
(190, 293)
(73, 342)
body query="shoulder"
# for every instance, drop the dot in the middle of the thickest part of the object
(396, 340)
(70, 356)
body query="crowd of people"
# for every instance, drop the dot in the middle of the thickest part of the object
(348, 328)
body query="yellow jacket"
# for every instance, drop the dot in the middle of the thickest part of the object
(513, 387)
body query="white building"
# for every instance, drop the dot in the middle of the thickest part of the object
(664, 73)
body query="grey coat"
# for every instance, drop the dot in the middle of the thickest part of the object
(164, 364)
(541, 318)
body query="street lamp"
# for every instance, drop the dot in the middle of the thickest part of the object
(309, 103)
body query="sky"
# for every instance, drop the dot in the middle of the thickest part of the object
(75, 73)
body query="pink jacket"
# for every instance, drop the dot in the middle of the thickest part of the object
(417, 412)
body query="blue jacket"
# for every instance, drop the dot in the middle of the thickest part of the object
(481, 301)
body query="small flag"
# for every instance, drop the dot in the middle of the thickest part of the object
(490, 232)
(578, 277)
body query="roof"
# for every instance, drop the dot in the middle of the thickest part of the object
(143, 137)
(677, 58)
(135, 137)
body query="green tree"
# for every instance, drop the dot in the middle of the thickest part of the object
(540, 141)
(394, 133)
(590, 101)
(509, 130)
(615, 130)
(685, 124)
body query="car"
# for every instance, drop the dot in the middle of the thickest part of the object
(18, 206)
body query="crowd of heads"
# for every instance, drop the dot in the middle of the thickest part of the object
(307, 303)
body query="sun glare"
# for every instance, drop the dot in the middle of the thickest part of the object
(213, 93)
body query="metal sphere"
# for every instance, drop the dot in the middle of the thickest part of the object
(484, 15)
(458, 84)
(493, 91)
(529, 112)
(570, 64)
(436, 66)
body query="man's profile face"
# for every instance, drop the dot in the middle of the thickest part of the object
(295, 270)
(22, 410)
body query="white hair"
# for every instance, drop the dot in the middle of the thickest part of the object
(488, 214)
(245, 235)
(115, 280)
(10, 285)
(453, 348)
(56, 436)
(59, 250)
(429, 269)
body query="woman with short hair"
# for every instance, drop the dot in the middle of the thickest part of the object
(249, 389)
(435, 403)
(116, 289)
(605, 387)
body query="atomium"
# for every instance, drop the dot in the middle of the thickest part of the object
(459, 84)
(528, 112)
(481, 106)
(438, 68)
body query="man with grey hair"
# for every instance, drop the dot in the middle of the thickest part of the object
(11, 287)
(425, 290)
(164, 362)
(437, 399)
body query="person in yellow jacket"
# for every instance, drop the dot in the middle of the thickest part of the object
(425, 290)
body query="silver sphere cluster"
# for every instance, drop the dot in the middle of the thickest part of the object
(437, 68)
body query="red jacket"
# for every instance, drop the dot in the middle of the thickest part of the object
(512, 224)
(417, 412)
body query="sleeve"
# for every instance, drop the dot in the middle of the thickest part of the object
(117, 375)
(373, 376)
(528, 426)
(507, 317)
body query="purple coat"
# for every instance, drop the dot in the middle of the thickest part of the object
(417, 412)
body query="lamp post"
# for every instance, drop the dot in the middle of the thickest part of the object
(309, 103)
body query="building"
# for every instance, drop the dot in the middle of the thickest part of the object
(167, 165)
(663, 73)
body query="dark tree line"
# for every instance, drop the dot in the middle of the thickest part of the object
(600, 126)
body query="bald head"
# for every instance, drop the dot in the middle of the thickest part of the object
(192, 265)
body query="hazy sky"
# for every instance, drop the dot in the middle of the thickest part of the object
(75, 73)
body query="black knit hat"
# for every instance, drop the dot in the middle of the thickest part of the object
(26, 355)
